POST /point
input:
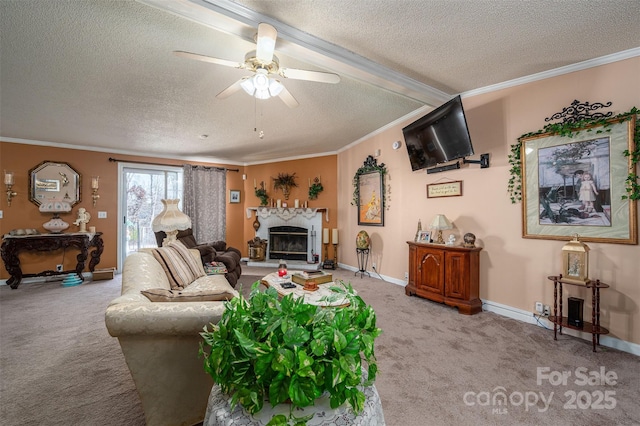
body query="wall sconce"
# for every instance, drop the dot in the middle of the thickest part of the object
(8, 181)
(94, 189)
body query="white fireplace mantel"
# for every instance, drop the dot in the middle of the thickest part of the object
(286, 213)
(309, 218)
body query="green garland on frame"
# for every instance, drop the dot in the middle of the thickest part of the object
(370, 165)
(572, 129)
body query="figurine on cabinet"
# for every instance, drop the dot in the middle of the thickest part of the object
(83, 218)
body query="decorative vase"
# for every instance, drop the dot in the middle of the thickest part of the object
(363, 241)
(55, 225)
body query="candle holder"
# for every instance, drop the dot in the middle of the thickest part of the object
(328, 263)
(94, 189)
(335, 254)
(8, 181)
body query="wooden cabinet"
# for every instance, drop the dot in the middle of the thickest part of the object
(445, 274)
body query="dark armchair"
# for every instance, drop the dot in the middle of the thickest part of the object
(211, 252)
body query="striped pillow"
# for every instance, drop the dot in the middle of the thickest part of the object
(179, 264)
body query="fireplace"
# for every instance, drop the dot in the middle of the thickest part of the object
(288, 242)
(307, 221)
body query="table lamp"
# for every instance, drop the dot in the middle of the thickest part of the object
(55, 225)
(440, 223)
(170, 221)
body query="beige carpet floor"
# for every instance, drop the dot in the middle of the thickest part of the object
(59, 366)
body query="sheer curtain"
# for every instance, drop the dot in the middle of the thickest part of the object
(205, 201)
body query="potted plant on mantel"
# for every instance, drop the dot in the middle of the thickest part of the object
(285, 351)
(285, 182)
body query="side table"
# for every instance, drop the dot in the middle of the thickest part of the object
(13, 245)
(560, 321)
(363, 259)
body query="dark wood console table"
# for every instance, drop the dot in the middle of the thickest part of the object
(560, 321)
(13, 245)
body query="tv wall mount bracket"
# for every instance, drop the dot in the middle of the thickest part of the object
(483, 161)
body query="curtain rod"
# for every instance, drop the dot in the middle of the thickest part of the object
(115, 160)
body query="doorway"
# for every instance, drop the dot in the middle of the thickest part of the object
(141, 190)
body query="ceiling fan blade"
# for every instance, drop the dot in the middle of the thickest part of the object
(319, 76)
(231, 89)
(210, 59)
(288, 98)
(266, 42)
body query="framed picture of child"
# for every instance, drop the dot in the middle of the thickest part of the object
(576, 185)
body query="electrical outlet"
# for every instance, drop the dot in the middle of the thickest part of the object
(539, 307)
(406, 275)
(59, 268)
(102, 215)
(1, 214)
(373, 265)
(547, 310)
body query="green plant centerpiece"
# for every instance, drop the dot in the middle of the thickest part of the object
(285, 182)
(315, 189)
(286, 351)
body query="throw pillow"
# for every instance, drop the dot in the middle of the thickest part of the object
(179, 264)
(164, 295)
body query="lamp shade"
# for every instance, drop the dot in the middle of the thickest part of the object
(440, 222)
(171, 218)
(55, 225)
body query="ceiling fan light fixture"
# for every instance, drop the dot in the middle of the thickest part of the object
(261, 80)
(275, 87)
(248, 86)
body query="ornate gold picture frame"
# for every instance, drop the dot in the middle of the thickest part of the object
(575, 185)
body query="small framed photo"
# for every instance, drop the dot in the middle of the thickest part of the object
(423, 237)
(234, 196)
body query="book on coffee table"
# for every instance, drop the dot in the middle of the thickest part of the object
(316, 277)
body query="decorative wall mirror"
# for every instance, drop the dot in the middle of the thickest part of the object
(54, 181)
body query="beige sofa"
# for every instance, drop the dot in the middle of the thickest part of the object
(160, 341)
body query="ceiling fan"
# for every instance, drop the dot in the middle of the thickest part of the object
(266, 66)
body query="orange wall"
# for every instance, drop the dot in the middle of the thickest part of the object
(513, 270)
(305, 169)
(20, 158)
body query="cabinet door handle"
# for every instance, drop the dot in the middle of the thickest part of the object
(424, 259)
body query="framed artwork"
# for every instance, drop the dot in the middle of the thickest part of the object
(371, 202)
(423, 237)
(234, 196)
(575, 185)
(444, 189)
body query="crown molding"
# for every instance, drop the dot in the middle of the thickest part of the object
(579, 66)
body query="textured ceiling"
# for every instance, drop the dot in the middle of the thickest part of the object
(99, 74)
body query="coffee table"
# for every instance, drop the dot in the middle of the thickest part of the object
(310, 297)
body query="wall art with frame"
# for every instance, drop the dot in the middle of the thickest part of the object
(575, 185)
(234, 196)
(369, 193)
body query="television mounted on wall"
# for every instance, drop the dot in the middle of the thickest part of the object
(439, 137)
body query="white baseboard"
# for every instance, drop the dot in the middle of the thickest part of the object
(525, 316)
(374, 274)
